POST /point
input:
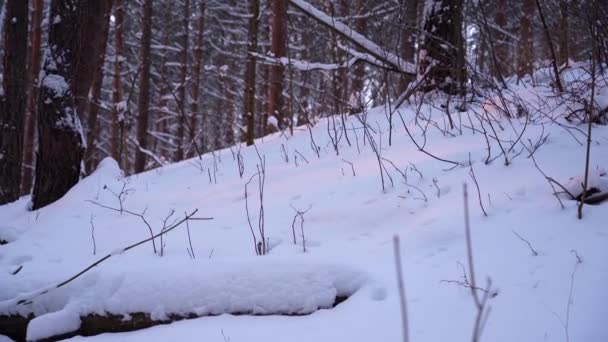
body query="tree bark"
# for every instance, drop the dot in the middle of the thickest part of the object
(252, 46)
(118, 121)
(93, 45)
(96, 87)
(278, 49)
(32, 96)
(12, 99)
(144, 87)
(179, 154)
(196, 77)
(445, 62)
(408, 39)
(564, 32)
(503, 58)
(558, 82)
(60, 143)
(525, 47)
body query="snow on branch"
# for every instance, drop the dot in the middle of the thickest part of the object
(304, 65)
(370, 48)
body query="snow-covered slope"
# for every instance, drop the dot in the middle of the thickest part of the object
(348, 230)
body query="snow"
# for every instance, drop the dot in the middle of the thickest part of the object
(597, 179)
(348, 232)
(52, 324)
(273, 122)
(55, 83)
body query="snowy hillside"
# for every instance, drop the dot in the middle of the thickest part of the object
(547, 270)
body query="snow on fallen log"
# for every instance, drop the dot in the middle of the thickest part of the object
(164, 291)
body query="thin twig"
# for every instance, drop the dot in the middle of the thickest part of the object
(534, 252)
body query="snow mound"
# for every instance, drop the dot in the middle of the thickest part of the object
(598, 179)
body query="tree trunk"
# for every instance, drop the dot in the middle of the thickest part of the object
(96, 88)
(12, 99)
(503, 58)
(179, 154)
(408, 39)
(277, 48)
(252, 46)
(60, 142)
(32, 96)
(117, 106)
(93, 45)
(564, 32)
(445, 63)
(196, 82)
(525, 47)
(144, 87)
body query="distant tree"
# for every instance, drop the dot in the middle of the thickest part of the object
(278, 49)
(12, 98)
(525, 51)
(144, 87)
(118, 107)
(252, 46)
(182, 93)
(197, 77)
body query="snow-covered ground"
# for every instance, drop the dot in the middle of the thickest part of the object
(348, 231)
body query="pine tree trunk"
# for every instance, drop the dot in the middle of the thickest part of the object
(564, 32)
(12, 99)
(88, 53)
(278, 49)
(161, 125)
(524, 49)
(60, 142)
(336, 76)
(252, 46)
(503, 66)
(179, 154)
(144, 87)
(445, 63)
(96, 88)
(32, 96)
(408, 39)
(196, 82)
(117, 110)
